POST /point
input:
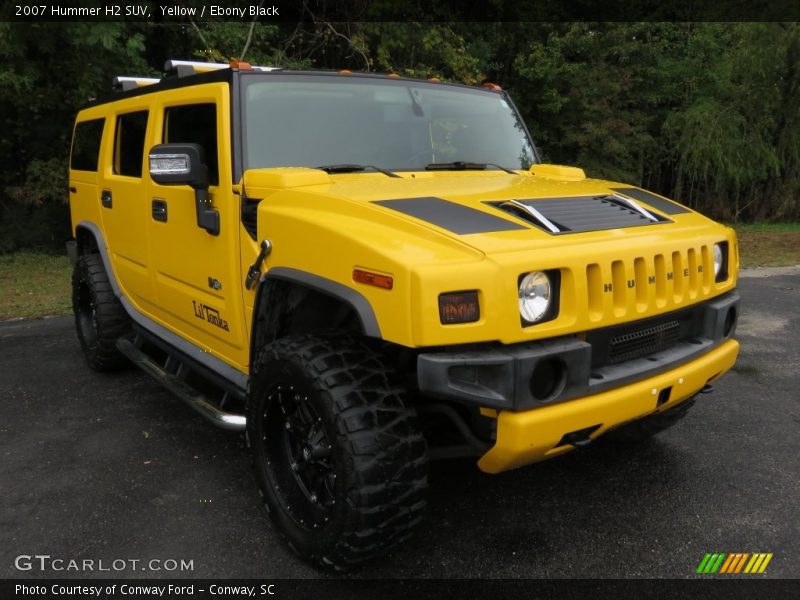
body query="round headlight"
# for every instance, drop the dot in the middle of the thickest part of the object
(718, 257)
(535, 295)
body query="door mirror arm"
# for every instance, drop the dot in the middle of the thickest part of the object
(207, 216)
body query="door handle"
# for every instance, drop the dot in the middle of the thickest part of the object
(159, 210)
(105, 198)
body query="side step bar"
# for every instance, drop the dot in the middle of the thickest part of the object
(196, 400)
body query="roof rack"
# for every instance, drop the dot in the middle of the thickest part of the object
(183, 68)
(123, 84)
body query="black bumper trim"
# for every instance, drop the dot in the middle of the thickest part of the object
(499, 376)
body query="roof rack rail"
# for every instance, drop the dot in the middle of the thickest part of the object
(124, 84)
(183, 68)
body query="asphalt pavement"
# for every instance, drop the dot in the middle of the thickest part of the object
(112, 467)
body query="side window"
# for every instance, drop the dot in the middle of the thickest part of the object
(129, 144)
(194, 124)
(86, 145)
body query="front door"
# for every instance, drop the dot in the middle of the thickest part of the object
(195, 273)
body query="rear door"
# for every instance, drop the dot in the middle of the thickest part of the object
(123, 201)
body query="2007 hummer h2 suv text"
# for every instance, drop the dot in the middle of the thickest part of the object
(364, 272)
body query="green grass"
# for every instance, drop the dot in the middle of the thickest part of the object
(768, 244)
(34, 284)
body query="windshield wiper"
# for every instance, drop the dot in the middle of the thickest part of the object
(354, 169)
(461, 165)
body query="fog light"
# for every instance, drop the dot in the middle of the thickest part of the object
(548, 379)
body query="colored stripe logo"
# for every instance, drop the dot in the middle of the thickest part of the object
(734, 563)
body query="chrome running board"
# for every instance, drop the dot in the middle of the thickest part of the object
(176, 384)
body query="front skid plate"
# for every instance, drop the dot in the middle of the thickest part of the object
(530, 436)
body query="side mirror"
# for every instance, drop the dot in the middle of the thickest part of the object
(184, 164)
(179, 164)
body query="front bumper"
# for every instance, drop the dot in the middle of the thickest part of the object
(533, 435)
(510, 377)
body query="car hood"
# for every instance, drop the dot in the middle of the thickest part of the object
(493, 211)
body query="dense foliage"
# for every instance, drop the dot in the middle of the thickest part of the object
(706, 113)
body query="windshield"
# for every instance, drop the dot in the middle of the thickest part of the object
(312, 121)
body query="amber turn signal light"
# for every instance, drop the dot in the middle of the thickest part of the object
(459, 307)
(376, 279)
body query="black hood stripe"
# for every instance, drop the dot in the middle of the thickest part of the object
(668, 207)
(449, 215)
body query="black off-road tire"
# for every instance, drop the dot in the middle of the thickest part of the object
(100, 319)
(367, 456)
(644, 429)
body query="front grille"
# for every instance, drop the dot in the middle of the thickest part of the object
(627, 286)
(643, 342)
(621, 343)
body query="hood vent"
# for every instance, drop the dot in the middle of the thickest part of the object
(581, 214)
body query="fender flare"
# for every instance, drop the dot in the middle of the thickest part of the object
(333, 289)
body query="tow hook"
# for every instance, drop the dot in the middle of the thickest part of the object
(580, 438)
(577, 439)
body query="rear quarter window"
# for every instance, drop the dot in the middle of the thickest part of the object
(129, 143)
(86, 145)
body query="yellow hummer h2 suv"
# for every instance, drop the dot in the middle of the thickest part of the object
(365, 272)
